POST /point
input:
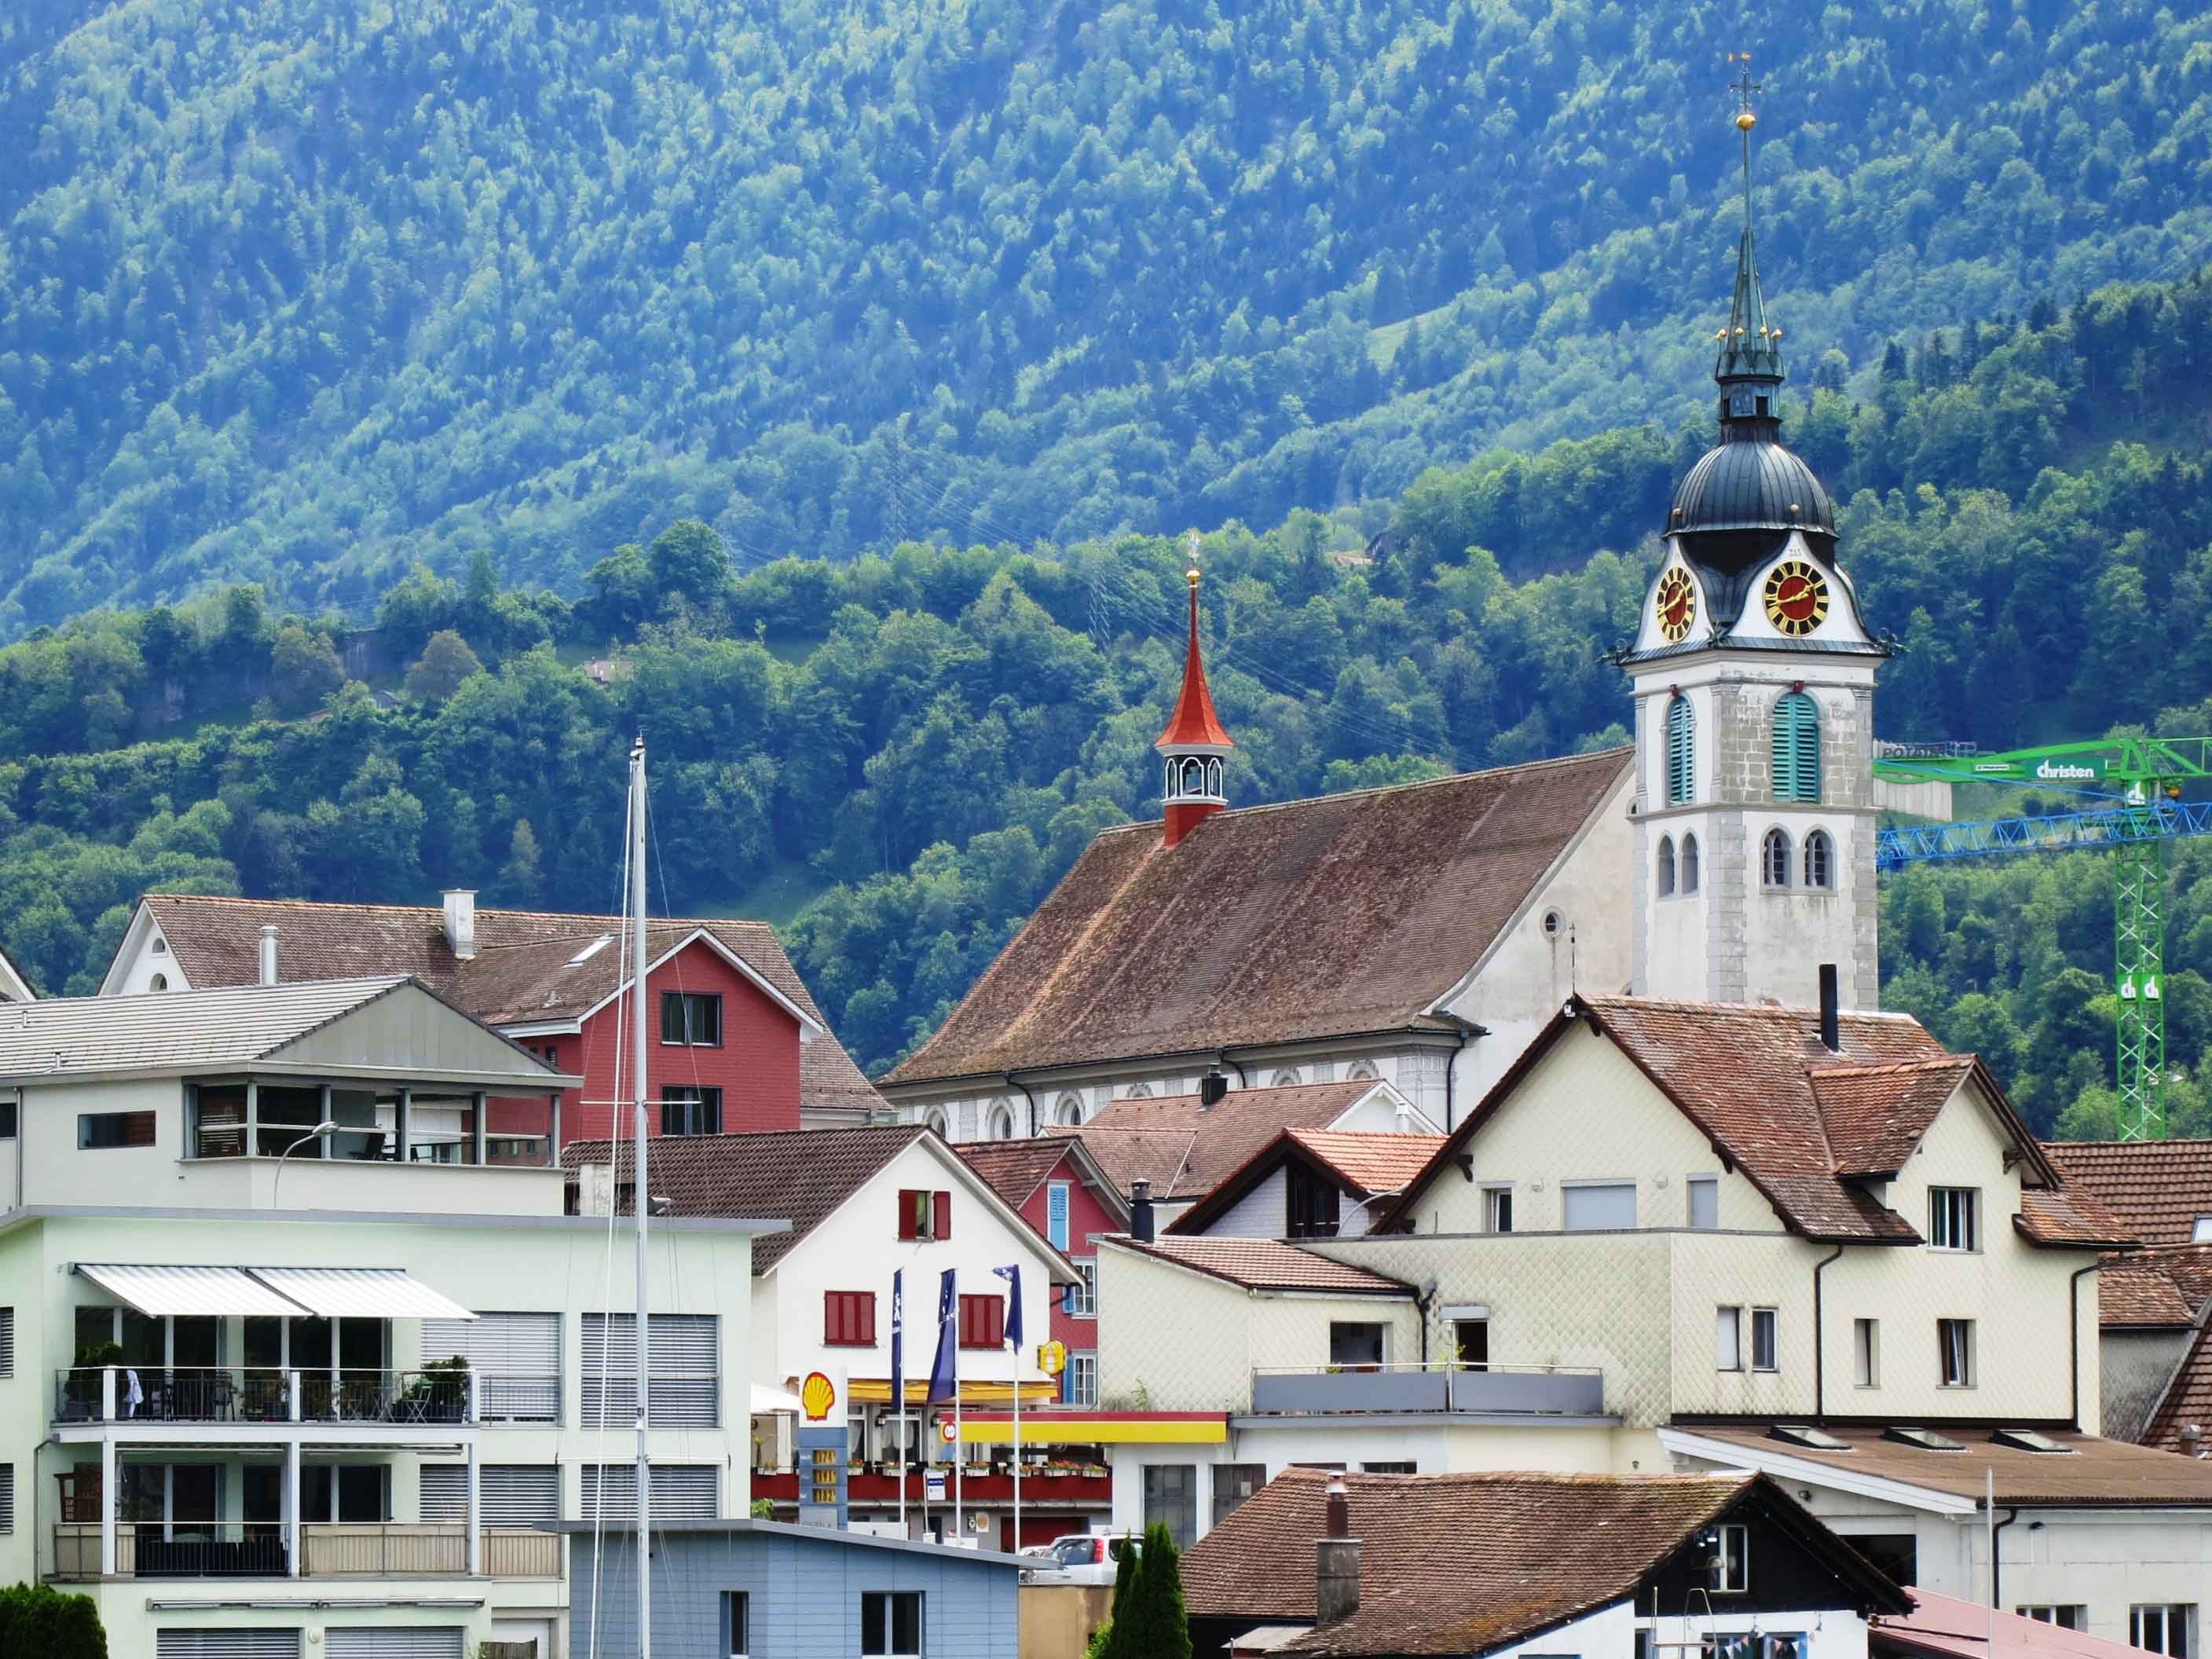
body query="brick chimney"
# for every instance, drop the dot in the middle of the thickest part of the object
(1336, 1560)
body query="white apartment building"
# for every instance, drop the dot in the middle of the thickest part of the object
(296, 1353)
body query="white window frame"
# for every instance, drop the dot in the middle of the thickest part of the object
(1081, 1301)
(1728, 1339)
(1495, 1194)
(1083, 1378)
(1711, 1184)
(1771, 1318)
(1953, 1210)
(1866, 1353)
(2066, 1615)
(2167, 1627)
(1968, 1367)
(1733, 1576)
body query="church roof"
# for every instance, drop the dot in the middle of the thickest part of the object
(1185, 1147)
(1752, 483)
(1193, 723)
(1336, 916)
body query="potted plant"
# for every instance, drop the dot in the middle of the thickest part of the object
(439, 1393)
(83, 1392)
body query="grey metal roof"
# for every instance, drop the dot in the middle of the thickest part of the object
(195, 1030)
(714, 1526)
(1752, 484)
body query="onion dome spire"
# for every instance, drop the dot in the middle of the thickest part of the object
(1748, 363)
(1195, 745)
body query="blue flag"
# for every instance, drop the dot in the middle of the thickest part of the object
(898, 1344)
(945, 1374)
(1013, 1278)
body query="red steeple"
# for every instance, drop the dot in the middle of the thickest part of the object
(1195, 744)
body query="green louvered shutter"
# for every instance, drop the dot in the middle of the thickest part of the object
(1796, 747)
(1681, 750)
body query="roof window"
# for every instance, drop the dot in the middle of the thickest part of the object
(1926, 1439)
(1804, 1434)
(592, 949)
(2028, 1440)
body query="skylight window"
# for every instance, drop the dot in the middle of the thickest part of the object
(1926, 1439)
(2029, 1440)
(1804, 1434)
(592, 949)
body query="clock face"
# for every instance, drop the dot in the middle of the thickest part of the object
(1796, 597)
(1675, 605)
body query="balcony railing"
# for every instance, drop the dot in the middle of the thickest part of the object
(1530, 1390)
(231, 1549)
(222, 1394)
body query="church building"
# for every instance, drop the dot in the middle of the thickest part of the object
(1423, 934)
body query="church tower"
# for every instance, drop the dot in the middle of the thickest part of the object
(1194, 748)
(1753, 673)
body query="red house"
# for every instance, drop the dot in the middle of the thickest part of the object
(1061, 1192)
(737, 1046)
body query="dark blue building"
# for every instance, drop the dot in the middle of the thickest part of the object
(766, 1589)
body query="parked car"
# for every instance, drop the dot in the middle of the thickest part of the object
(1080, 1557)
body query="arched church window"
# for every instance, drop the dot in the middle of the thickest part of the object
(1796, 747)
(1689, 864)
(1681, 750)
(1361, 1072)
(1820, 859)
(1213, 777)
(1286, 1079)
(938, 1126)
(1168, 787)
(1774, 859)
(1068, 1109)
(1194, 777)
(1138, 1091)
(1666, 867)
(1002, 1122)
(160, 982)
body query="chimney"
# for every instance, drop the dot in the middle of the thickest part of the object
(461, 921)
(1140, 1210)
(268, 976)
(1212, 1087)
(1336, 1561)
(1831, 1036)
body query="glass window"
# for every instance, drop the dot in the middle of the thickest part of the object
(736, 1615)
(1171, 1500)
(1080, 1387)
(1734, 1573)
(1951, 1218)
(1954, 1341)
(1704, 1201)
(691, 1018)
(2201, 1233)
(2163, 1627)
(1728, 1339)
(1820, 860)
(1310, 1204)
(1471, 1344)
(890, 1622)
(1082, 1300)
(2066, 1615)
(1353, 1342)
(8, 1118)
(1597, 1206)
(1774, 859)
(1234, 1483)
(1681, 750)
(1765, 1339)
(103, 1130)
(1497, 1209)
(1796, 747)
(689, 1111)
(1666, 867)
(1689, 864)
(1866, 1352)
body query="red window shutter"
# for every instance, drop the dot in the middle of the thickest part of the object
(942, 1212)
(906, 1216)
(865, 1301)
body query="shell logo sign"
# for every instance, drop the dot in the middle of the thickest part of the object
(818, 1395)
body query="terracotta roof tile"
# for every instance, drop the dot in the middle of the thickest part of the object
(1186, 1148)
(2097, 1471)
(1876, 1115)
(799, 1174)
(2136, 1291)
(1014, 1168)
(2157, 1188)
(1265, 1264)
(2187, 1403)
(1946, 1627)
(2189, 1268)
(2069, 1217)
(524, 968)
(1271, 924)
(1369, 1160)
(1449, 1564)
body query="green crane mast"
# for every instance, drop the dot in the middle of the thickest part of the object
(2147, 776)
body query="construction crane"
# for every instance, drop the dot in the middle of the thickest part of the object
(2143, 777)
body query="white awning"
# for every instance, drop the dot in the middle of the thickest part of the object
(360, 1293)
(157, 1289)
(768, 1401)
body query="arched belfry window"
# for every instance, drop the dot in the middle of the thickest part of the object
(1666, 874)
(1796, 747)
(1194, 777)
(1689, 864)
(1167, 786)
(1820, 859)
(1681, 750)
(1774, 859)
(1213, 777)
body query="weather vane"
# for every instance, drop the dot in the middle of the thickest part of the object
(1743, 86)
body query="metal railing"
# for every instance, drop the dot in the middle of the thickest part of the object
(1438, 1386)
(224, 1393)
(345, 1549)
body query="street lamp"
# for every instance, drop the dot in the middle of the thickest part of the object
(322, 1130)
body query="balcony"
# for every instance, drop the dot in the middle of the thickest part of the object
(1505, 1390)
(879, 1484)
(231, 1394)
(345, 1550)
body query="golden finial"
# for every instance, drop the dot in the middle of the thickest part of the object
(1193, 572)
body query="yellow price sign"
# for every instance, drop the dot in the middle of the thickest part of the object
(1052, 1357)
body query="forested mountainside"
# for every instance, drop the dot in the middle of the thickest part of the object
(304, 292)
(896, 757)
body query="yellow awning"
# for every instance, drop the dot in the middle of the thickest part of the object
(877, 1391)
(1061, 1429)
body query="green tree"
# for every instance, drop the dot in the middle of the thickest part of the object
(445, 662)
(303, 669)
(37, 1618)
(521, 881)
(1156, 1625)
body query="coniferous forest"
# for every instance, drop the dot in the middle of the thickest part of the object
(399, 408)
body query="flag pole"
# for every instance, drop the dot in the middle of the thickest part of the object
(1017, 1547)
